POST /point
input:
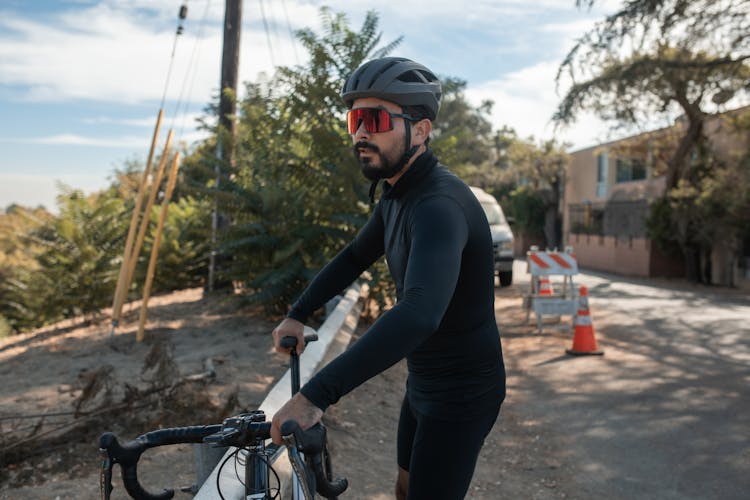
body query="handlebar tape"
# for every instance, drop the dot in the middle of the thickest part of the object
(290, 341)
(127, 454)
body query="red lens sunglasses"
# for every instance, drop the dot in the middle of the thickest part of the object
(375, 119)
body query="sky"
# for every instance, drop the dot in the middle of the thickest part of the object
(82, 81)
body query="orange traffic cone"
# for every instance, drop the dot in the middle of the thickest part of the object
(584, 342)
(545, 288)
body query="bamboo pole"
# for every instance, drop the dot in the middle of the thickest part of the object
(146, 219)
(119, 291)
(155, 250)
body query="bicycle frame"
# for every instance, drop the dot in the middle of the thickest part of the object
(248, 433)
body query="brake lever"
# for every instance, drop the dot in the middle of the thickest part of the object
(300, 469)
(105, 475)
(312, 443)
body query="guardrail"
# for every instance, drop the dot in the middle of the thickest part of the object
(333, 338)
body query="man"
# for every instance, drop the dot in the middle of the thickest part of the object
(437, 242)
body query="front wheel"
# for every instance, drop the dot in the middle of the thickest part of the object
(505, 277)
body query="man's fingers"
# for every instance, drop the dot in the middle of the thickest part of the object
(283, 350)
(276, 433)
(289, 328)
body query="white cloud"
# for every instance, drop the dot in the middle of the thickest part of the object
(113, 52)
(80, 140)
(110, 120)
(118, 51)
(181, 120)
(27, 190)
(526, 100)
(34, 190)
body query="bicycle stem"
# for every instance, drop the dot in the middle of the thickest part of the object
(294, 370)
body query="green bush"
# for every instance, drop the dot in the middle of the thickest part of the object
(5, 328)
(527, 208)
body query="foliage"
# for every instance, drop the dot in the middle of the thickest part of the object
(16, 254)
(462, 134)
(58, 266)
(382, 294)
(76, 262)
(5, 328)
(666, 58)
(527, 207)
(182, 254)
(660, 226)
(286, 202)
(532, 179)
(709, 209)
(661, 58)
(295, 196)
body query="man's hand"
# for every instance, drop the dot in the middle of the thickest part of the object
(298, 408)
(289, 328)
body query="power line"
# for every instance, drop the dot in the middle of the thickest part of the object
(182, 15)
(273, 25)
(192, 72)
(268, 35)
(292, 38)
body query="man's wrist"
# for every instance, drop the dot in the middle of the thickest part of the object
(311, 398)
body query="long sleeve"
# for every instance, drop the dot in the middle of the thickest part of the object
(438, 232)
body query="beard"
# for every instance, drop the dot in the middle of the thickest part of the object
(387, 165)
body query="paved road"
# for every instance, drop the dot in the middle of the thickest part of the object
(665, 413)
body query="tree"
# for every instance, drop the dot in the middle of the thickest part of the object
(184, 247)
(16, 256)
(462, 134)
(75, 258)
(537, 172)
(660, 57)
(667, 58)
(59, 266)
(710, 212)
(296, 196)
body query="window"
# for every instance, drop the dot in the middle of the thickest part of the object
(602, 168)
(627, 170)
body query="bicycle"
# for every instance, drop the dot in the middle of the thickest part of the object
(248, 432)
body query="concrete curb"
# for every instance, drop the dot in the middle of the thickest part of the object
(333, 338)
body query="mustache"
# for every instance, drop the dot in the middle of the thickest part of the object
(365, 145)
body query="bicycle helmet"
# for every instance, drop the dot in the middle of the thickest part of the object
(395, 79)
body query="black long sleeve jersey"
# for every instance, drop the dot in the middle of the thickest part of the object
(438, 247)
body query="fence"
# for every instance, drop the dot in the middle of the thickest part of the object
(620, 219)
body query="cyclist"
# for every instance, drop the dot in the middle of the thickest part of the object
(437, 242)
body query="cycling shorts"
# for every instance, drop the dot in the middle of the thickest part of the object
(440, 455)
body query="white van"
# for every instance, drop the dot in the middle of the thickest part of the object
(502, 236)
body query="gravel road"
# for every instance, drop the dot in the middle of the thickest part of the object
(664, 414)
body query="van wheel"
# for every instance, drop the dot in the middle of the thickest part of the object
(506, 277)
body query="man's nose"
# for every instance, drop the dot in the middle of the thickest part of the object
(361, 132)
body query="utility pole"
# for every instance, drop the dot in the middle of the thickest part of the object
(230, 61)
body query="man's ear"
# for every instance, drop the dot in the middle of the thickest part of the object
(421, 131)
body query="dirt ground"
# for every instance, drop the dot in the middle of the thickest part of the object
(50, 372)
(46, 373)
(520, 458)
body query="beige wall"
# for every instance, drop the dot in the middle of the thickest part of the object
(629, 257)
(626, 257)
(633, 257)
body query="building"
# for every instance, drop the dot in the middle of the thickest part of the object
(608, 192)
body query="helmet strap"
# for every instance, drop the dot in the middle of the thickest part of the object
(410, 151)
